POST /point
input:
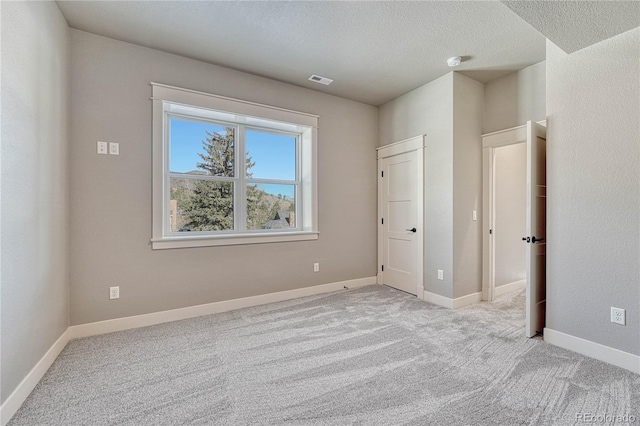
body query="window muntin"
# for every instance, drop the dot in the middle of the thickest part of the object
(211, 192)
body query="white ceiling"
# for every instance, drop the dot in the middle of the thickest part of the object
(574, 25)
(375, 51)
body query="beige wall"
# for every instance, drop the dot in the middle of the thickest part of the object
(35, 213)
(514, 99)
(593, 259)
(449, 112)
(429, 110)
(467, 185)
(111, 196)
(510, 182)
(593, 174)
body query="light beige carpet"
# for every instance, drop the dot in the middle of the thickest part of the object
(371, 356)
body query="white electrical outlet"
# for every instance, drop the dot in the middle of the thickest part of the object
(114, 148)
(618, 316)
(114, 293)
(102, 147)
(440, 274)
(316, 267)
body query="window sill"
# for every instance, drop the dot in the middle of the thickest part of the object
(231, 240)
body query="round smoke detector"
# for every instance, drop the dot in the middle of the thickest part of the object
(454, 61)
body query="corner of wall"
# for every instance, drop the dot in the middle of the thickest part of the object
(468, 103)
(35, 133)
(428, 110)
(593, 174)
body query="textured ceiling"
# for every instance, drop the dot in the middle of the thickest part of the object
(574, 25)
(375, 51)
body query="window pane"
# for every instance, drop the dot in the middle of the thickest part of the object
(271, 206)
(200, 205)
(201, 148)
(270, 156)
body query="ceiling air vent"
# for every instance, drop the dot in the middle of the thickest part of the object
(322, 80)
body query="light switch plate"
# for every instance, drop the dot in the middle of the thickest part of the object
(102, 147)
(114, 148)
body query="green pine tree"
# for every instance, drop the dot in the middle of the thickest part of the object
(210, 207)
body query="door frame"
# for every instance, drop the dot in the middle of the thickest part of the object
(416, 143)
(491, 141)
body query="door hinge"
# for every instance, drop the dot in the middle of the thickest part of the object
(382, 221)
(382, 268)
(382, 173)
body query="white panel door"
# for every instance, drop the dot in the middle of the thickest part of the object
(400, 179)
(536, 226)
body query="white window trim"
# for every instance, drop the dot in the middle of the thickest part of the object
(252, 114)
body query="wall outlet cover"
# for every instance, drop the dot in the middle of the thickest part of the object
(618, 316)
(114, 293)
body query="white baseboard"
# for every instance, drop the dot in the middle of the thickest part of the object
(595, 350)
(469, 299)
(436, 299)
(447, 302)
(126, 323)
(20, 394)
(22, 391)
(508, 288)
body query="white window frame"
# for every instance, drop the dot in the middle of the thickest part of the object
(169, 101)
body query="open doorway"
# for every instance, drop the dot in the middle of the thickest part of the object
(514, 218)
(510, 202)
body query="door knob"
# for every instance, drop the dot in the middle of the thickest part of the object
(536, 240)
(527, 239)
(412, 229)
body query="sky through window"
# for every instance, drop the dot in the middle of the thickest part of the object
(274, 154)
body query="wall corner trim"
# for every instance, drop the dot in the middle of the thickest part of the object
(595, 350)
(447, 302)
(21, 392)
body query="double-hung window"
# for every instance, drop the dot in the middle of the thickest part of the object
(227, 171)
